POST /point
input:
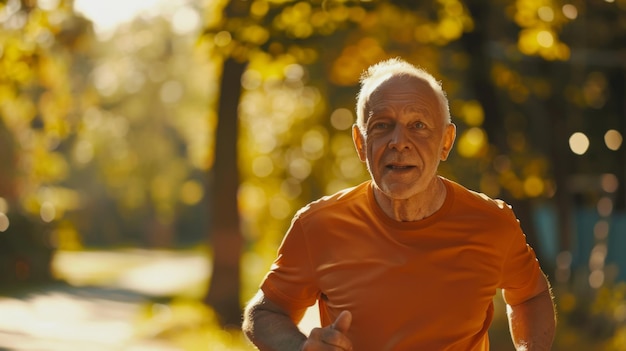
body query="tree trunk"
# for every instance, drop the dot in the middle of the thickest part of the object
(225, 236)
(224, 230)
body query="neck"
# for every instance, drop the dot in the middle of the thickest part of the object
(415, 208)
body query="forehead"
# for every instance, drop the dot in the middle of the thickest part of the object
(403, 90)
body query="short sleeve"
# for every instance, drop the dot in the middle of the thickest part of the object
(290, 283)
(520, 269)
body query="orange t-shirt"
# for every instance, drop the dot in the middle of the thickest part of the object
(423, 285)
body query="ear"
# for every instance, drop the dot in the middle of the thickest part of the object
(448, 140)
(359, 142)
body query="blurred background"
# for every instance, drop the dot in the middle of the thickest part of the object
(152, 152)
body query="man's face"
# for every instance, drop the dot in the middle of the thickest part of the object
(406, 136)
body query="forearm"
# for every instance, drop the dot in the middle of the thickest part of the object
(532, 323)
(273, 332)
(270, 329)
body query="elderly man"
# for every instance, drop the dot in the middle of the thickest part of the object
(408, 260)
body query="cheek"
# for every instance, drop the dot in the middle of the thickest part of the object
(374, 152)
(376, 146)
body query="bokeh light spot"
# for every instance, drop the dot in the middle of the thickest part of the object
(47, 212)
(613, 139)
(279, 207)
(605, 206)
(313, 144)
(48, 5)
(262, 166)
(533, 186)
(545, 13)
(473, 113)
(4, 205)
(596, 279)
(545, 39)
(300, 168)
(191, 192)
(609, 182)
(185, 20)
(4, 222)
(601, 230)
(341, 119)
(171, 91)
(472, 142)
(579, 143)
(570, 11)
(222, 38)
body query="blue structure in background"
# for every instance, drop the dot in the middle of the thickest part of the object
(584, 239)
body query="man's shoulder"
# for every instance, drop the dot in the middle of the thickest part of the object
(344, 199)
(468, 199)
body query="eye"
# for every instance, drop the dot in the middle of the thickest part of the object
(380, 125)
(419, 125)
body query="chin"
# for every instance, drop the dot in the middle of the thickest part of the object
(398, 191)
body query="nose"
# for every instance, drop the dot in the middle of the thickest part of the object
(399, 139)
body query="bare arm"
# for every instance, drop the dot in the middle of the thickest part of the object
(271, 328)
(533, 322)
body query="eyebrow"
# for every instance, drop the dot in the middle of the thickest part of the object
(414, 108)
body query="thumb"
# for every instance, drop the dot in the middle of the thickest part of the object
(343, 321)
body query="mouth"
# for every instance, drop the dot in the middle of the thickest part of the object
(399, 167)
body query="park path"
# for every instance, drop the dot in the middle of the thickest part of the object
(99, 311)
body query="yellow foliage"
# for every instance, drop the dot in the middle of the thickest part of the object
(450, 28)
(255, 34)
(48, 166)
(65, 237)
(533, 186)
(191, 192)
(541, 20)
(472, 143)
(259, 8)
(470, 111)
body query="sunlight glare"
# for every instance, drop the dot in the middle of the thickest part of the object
(186, 20)
(48, 5)
(108, 15)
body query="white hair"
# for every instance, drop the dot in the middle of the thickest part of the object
(376, 74)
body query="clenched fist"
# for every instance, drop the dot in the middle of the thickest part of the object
(332, 337)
